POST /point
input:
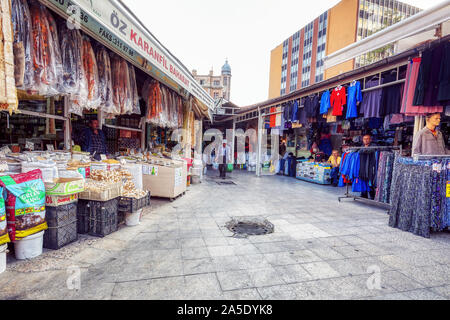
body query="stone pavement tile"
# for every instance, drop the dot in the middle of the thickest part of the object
(165, 254)
(353, 240)
(195, 253)
(442, 291)
(399, 281)
(270, 247)
(202, 265)
(216, 241)
(357, 266)
(351, 251)
(245, 249)
(320, 270)
(279, 258)
(243, 294)
(109, 244)
(279, 292)
(155, 289)
(192, 243)
(265, 277)
(91, 291)
(441, 256)
(167, 235)
(229, 263)
(236, 241)
(333, 242)
(293, 273)
(203, 286)
(167, 268)
(93, 256)
(253, 261)
(190, 233)
(327, 253)
(210, 233)
(291, 245)
(221, 251)
(430, 276)
(304, 256)
(163, 244)
(368, 285)
(232, 280)
(423, 294)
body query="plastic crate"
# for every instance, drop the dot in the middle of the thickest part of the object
(113, 191)
(98, 218)
(62, 226)
(132, 204)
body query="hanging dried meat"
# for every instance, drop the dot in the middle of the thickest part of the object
(91, 74)
(73, 78)
(44, 62)
(134, 93)
(23, 47)
(8, 95)
(56, 50)
(121, 85)
(105, 81)
(153, 97)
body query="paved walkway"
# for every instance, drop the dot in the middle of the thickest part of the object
(321, 249)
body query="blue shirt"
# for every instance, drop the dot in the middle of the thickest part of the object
(354, 96)
(294, 111)
(325, 102)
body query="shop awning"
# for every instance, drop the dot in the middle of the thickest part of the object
(417, 23)
(111, 23)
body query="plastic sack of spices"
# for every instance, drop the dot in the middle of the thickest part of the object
(134, 92)
(105, 81)
(25, 204)
(22, 45)
(44, 59)
(91, 74)
(4, 237)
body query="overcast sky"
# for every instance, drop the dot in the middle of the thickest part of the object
(202, 33)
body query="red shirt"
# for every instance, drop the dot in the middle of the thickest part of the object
(337, 101)
(273, 117)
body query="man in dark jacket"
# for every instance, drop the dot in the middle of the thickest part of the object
(94, 140)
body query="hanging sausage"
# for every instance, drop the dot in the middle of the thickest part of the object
(105, 81)
(134, 93)
(91, 73)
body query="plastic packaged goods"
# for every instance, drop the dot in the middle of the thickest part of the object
(56, 50)
(44, 64)
(25, 204)
(91, 74)
(4, 237)
(22, 44)
(73, 79)
(121, 84)
(153, 98)
(105, 81)
(8, 95)
(134, 92)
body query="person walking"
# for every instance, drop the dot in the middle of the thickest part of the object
(223, 157)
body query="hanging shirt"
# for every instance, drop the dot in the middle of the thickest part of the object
(354, 96)
(311, 106)
(273, 117)
(337, 100)
(294, 111)
(325, 102)
(278, 117)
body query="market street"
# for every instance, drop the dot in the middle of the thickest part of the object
(321, 249)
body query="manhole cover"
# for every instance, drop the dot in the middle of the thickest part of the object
(225, 182)
(250, 227)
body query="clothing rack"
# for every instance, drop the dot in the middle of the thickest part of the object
(348, 195)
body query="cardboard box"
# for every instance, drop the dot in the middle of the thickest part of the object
(56, 201)
(168, 182)
(64, 186)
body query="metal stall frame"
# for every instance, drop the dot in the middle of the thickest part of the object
(361, 199)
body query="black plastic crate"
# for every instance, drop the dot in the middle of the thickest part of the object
(132, 205)
(98, 218)
(62, 226)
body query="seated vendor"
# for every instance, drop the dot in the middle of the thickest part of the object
(335, 161)
(94, 140)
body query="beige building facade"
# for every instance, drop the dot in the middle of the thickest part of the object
(218, 86)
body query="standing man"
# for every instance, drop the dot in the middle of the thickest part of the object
(94, 140)
(429, 140)
(223, 157)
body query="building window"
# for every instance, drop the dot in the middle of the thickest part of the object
(216, 95)
(225, 82)
(216, 82)
(202, 82)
